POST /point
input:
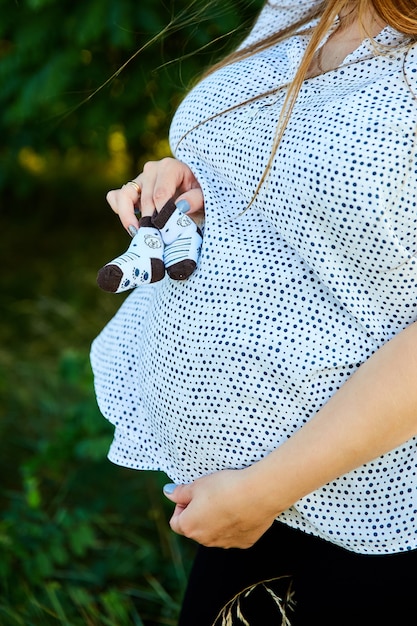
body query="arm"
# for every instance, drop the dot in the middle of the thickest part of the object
(375, 411)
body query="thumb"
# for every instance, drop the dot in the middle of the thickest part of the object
(180, 494)
(195, 200)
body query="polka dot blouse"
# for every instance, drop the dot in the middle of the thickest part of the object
(291, 295)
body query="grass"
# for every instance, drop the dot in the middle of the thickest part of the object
(82, 542)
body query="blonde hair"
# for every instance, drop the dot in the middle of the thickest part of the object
(398, 14)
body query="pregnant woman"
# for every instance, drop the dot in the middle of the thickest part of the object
(277, 385)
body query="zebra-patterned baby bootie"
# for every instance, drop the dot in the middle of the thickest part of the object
(182, 239)
(141, 264)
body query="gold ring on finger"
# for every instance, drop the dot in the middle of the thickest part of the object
(135, 185)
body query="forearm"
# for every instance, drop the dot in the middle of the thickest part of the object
(375, 411)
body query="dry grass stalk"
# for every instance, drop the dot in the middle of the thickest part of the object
(225, 617)
(283, 604)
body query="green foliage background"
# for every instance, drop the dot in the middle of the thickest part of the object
(82, 542)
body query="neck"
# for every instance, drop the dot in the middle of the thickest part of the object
(364, 21)
(354, 26)
(348, 14)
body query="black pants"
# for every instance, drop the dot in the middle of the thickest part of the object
(330, 586)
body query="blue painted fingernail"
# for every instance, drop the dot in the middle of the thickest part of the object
(168, 489)
(183, 206)
(132, 230)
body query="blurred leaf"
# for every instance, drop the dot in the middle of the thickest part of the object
(56, 55)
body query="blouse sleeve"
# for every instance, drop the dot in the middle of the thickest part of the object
(277, 15)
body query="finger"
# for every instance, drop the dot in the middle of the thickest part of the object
(175, 521)
(123, 202)
(195, 199)
(180, 494)
(168, 181)
(160, 181)
(147, 182)
(173, 178)
(169, 178)
(112, 199)
(179, 508)
(141, 189)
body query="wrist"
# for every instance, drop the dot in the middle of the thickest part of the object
(266, 481)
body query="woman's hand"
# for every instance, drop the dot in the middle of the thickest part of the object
(159, 181)
(225, 509)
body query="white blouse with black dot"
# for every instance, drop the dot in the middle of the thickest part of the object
(290, 296)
